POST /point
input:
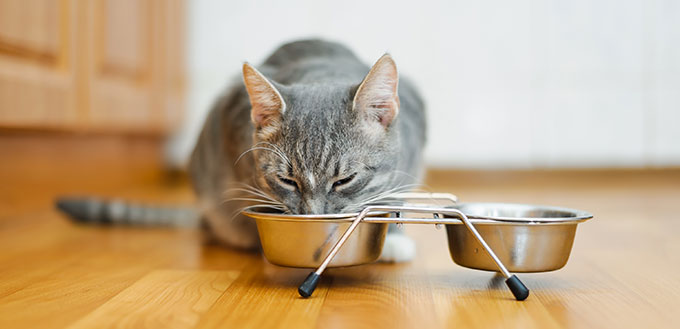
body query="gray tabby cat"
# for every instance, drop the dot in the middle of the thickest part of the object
(311, 131)
(314, 131)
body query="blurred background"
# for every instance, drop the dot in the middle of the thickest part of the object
(509, 84)
(518, 85)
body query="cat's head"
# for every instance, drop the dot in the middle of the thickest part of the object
(326, 148)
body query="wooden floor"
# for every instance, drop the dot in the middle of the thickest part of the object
(624, 270)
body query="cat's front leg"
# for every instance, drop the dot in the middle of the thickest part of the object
(237, 231)
(398, 246)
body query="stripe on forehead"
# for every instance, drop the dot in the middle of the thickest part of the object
(312, 180)
(312, 152)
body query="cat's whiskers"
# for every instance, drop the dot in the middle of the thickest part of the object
(254, 196)
(424, 187)
(259, 188)
(385, 194)
(252, 199)
(238, 211)
(258, 191)
(279, 150)
(249, 193)
(398, 187)
(251, 190)
(392, 192)
(258, 146)
(401, 172)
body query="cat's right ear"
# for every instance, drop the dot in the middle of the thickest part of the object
(267, 103)
(376, 98)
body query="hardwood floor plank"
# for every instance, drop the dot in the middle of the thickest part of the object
(86, 271)
(265, 296)
(378, 296)
(162, 299)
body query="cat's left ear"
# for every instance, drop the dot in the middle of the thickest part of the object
(376, 98)
(267, 103)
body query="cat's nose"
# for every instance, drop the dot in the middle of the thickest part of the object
(315, 205)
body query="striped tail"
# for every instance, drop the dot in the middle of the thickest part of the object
(117, 212)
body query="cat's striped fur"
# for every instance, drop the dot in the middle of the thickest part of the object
(326, 126)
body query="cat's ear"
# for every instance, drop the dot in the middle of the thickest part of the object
(267, 103)
(376, 98)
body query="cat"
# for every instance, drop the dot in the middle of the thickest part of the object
(312, 130)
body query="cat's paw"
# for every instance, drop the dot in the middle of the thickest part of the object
(398, 248)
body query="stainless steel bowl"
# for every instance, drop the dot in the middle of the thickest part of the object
(526, 238)
(305, 240)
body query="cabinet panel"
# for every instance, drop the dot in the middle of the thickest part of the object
(130, 65)
(31, 27)
(123, 32)
(36, 79)
(91, 65)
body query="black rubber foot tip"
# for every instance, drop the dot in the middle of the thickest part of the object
(517, 287)
(307, 287)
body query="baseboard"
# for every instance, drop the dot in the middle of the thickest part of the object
(52, 160)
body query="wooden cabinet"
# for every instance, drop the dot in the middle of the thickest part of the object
(37, 80)
(100, 65)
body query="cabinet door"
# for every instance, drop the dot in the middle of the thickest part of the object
(92, 65)
(131, 67)
(37, 85)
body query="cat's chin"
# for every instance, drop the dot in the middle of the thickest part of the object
(398, 248)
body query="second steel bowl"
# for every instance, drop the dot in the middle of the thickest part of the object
(526, 238)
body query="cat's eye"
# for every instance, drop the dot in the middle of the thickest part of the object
(344, 181)
(289, 182)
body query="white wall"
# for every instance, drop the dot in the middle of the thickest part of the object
(509, 84)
